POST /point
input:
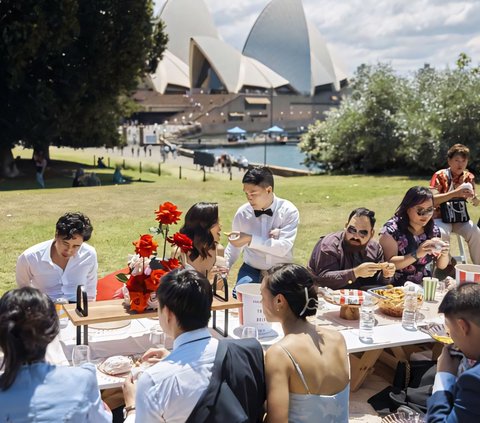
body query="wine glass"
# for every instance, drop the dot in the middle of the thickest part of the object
(157, 336)
(249, 332)
(80, 355)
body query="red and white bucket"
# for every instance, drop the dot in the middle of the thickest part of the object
(251, 314)
(467, 273)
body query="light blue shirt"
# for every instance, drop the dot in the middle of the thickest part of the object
(44, 392)
(169, 390)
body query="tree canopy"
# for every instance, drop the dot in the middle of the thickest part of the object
(396, 122)
(65, 64)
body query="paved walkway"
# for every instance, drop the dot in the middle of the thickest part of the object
(154, 157)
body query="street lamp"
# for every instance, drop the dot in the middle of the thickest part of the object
(271, 124)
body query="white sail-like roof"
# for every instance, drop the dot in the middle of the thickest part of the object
(299, 54)
(170, 71)
(232, 68)
(185, 19)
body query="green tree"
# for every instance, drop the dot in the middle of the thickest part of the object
(390, 122)
(65, 66)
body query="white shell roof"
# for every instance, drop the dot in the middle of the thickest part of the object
(183, 20)
(300, 53)
(170, 71)
(233, 69)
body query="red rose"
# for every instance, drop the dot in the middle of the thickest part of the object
(153, 281)
(136, 283)
(170, 264)
(145, 246)
(168, 213)
(181, 241)
(138, 301)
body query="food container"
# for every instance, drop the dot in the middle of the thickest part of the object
(391, 299)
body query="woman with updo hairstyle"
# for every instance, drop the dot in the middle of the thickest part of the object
(202, 226)
(307, 372)
(30, 388)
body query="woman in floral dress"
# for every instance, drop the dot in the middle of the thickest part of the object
(410, 239)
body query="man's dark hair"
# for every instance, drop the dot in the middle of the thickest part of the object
(362, 211)
(188, 295)
(458, 149)
(462, 302)
(71, 224)
(260, 175)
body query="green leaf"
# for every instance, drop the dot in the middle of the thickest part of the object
(122, 277)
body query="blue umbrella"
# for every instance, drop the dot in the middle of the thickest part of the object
(236, 130)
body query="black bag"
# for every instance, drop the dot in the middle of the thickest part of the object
(454, 211)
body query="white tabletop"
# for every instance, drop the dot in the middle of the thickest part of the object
(134, 338)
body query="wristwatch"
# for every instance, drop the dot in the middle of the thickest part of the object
(414, 254)
(127, 410)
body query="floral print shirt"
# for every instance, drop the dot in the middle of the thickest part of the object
(414, 272)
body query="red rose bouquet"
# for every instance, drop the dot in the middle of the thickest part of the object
(146, 268)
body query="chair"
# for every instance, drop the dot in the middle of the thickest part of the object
(462, 258)
(108, 285)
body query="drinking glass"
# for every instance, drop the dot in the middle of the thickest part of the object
(249, 332)
(80, 355)
(157, 336)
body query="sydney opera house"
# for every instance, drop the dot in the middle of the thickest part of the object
(285, 75)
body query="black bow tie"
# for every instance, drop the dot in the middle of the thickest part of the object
(268, 212)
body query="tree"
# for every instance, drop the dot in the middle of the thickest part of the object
(391, 122)
(64, 65)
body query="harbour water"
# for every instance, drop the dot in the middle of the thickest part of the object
(277, 155)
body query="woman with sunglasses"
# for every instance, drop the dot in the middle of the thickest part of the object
(307, 372)
(410, 239)
(202, 226)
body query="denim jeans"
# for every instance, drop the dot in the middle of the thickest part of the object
(246, 274)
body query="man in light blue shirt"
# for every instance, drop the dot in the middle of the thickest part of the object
(456, 400)
(169, 390)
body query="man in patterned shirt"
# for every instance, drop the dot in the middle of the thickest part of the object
(457, 182)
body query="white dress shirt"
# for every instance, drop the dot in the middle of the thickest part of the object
(169, 390)
(263, 251)
(35, 268)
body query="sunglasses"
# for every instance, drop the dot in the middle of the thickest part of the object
(425, 212)
(362, 232)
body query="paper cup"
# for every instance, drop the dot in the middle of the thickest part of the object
(429, 288)
(467, 273)
(251, 313)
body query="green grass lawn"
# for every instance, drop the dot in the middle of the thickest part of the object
(121, 213)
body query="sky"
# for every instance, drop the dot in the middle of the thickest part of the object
(404, 33)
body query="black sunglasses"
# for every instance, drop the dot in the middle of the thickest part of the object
(362, 232)
(425, 212)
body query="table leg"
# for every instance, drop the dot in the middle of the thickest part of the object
(223, 332)
(361, 367)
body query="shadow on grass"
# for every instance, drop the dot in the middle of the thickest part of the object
(59, 174)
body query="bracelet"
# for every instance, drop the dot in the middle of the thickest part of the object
(127, 410)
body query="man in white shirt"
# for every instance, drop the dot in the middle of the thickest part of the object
(57, 266)
(264, 228)
(456, 400)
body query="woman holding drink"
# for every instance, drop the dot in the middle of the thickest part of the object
(411, 240)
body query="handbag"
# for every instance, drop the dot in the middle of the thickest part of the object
(454, 211)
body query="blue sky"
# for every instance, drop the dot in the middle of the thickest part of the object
(404, 33)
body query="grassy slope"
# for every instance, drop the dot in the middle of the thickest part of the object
(121, 213)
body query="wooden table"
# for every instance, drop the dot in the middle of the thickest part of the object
(114, 310)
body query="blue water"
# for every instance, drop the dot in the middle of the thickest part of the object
(277, 155)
